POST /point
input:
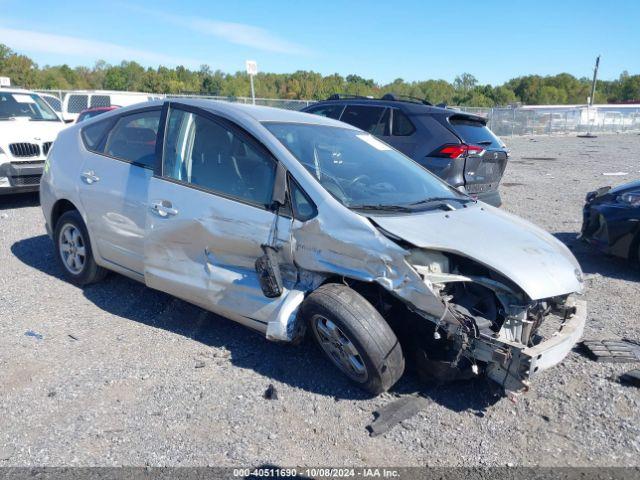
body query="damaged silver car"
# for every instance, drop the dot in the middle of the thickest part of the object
(295, 224)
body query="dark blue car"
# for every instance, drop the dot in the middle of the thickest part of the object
(611, 220)
(456, 146)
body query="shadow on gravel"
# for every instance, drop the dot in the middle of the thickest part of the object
(19, 200)
(593, 261)
(301, 366)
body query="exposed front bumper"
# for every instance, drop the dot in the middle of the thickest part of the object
(552, 351)
(512, 365)
(20, 176)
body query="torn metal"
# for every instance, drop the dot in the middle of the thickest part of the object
(487, 295)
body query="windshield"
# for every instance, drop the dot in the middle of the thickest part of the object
(358, 169)
(25, 105)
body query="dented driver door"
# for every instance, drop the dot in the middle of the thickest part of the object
(208, 215)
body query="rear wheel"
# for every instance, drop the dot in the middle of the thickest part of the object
(634, 250)
(354, 336)
(73, 250)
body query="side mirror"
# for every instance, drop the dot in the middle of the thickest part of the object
(268, 271)
(279, 197)
(267, 266)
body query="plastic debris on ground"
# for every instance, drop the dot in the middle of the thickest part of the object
(394, 413)
(31, 333)
(615, 351)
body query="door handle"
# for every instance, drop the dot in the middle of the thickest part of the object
(163, 209)
(89, 177)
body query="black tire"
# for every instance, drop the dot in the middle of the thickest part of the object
(89, 272)
(634, 250)
(378, 349)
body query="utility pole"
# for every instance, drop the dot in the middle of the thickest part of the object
(595, 79)
(590, 100)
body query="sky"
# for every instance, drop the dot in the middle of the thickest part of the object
(494, 40)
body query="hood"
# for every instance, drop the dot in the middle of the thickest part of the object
(530, 257)
(626, 187)
(14, 131)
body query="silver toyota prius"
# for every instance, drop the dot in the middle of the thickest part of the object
(296, 224)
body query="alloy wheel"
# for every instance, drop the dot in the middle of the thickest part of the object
(339, 348)
(72, 249)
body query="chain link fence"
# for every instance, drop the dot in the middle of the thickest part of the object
(504, 121)
(560, 120)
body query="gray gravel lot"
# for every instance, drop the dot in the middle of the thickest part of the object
(118, 374)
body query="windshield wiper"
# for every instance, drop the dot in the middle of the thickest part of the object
(382, 208)
(441, 200)
(7, 118)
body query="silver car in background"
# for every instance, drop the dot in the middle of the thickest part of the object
(291, 223)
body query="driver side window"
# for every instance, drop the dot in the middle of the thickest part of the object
(207, 154)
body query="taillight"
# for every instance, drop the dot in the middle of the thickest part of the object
(458, 150)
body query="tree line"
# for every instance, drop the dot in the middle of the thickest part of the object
(464, 90)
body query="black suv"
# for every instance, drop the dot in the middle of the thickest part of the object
(456, 146)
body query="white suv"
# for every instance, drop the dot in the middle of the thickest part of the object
(28, 127)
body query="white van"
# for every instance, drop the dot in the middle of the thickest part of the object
(54, 102)
(77, 101)
(28, 127)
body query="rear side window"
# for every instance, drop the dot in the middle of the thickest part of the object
(367, 118)
(133, 138)
(331, 111)
(474, 132)
(77, 103)
(402, 126)
(100, 101)
(53, 102)
(93, 134)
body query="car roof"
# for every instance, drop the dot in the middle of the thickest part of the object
(260, 113)
(409, 107)
(242, 114)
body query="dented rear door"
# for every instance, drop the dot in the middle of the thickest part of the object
(208, 216)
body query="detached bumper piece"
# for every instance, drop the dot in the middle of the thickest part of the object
(513, 365)
(21, 176)
(613, 351)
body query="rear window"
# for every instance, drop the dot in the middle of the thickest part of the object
(474, 132)
(331, 111)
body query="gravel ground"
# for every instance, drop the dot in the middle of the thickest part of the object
(118, 374)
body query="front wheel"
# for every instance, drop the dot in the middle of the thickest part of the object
(354, 336)
(73, 250)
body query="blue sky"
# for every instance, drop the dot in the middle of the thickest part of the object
(415, 40)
